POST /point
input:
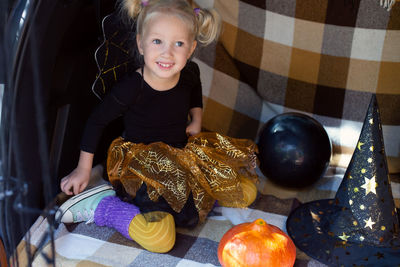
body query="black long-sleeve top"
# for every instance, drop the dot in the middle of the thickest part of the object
(149, 115)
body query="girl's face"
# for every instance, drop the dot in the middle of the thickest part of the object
(166, 45)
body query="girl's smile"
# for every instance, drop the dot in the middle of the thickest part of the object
(165, 65)
(166, 45)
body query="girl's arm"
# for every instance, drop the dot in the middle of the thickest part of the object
(78, 179)
(111, 107)
(195, 125)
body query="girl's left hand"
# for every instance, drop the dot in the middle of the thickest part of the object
(193, 128)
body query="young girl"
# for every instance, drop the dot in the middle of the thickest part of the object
(165, 170)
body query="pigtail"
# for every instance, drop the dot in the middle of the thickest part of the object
(209, 25)
(131, 8)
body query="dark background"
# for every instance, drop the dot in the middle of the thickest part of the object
(48, 73)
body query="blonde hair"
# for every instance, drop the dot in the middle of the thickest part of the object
(204, 24)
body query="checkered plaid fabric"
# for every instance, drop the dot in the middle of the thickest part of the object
(323, 58)
(78, 245)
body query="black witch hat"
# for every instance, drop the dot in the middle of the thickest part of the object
(360, 226)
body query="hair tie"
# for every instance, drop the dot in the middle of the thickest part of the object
(145, 2)
(196, 11)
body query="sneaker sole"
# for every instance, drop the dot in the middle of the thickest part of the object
(75, 199)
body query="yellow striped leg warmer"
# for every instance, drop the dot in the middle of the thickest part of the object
(154, 231)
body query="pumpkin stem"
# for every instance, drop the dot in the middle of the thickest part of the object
(260, 222)
(261, 225)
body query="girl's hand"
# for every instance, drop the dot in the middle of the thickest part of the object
(75, 182)
(193, 128)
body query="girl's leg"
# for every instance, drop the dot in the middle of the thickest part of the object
(154, 231)
(249, 193)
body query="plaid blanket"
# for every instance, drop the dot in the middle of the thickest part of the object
(323, 58)
(90, 245)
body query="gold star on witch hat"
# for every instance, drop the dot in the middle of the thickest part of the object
(360, 226)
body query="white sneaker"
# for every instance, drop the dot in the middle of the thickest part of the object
(80, 208)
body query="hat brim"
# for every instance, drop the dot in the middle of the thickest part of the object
(307, 226)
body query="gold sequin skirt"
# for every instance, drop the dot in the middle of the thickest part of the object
(211, 166)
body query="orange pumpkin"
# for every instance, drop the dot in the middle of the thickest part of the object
(256, 244)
